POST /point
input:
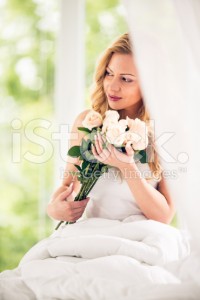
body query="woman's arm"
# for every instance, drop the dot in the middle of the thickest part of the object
(58, 208)
(155, 204)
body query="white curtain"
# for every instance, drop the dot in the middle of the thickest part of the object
(166, 42)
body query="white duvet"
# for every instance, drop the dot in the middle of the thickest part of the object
(103, 259)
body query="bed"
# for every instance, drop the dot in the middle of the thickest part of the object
(99, 258)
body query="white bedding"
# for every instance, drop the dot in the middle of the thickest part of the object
(103, 259)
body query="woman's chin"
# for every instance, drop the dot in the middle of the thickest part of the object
(114, 104)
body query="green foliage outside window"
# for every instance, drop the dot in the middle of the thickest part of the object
(27, 64)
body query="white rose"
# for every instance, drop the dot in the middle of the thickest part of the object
(137, 135)
(92, 119)
(115, 134)
(131, 136)
(112, 117)
(123, 123)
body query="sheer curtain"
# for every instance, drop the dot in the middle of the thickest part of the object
(166, 43)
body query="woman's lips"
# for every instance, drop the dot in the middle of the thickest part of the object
(114, 98)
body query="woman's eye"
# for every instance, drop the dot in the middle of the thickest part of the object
(108, 73)
(126, 79)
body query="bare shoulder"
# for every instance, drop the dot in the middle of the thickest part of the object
(79, 119)
(78, 123)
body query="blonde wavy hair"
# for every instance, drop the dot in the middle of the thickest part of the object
(122, 45)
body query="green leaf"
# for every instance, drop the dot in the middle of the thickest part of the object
(85, 164)
(84, 145)
(74, 151)
(89, 157)
(78, 167)
(144, 158)
(84, 129)
(92, 134)
(104, 169)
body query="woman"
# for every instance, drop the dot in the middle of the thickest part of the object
(108, 255)
(116, 88)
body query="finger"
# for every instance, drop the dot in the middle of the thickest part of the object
(104, 140)
(106, 145)
(74, 215)
(68, 192)
(110, 148)
(129, 150)
(77, 209)
(74, 218)
(96, 155)
(98, 144)
(94, 151)
(105, 154)
(100, 139)
(78, 204)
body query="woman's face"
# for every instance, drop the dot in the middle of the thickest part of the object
(121, 85)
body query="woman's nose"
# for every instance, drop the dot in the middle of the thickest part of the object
(114, 85)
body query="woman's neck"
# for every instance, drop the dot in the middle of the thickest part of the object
(131, 112)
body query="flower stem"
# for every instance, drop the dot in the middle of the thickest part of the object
(85, 190)
(58, 225)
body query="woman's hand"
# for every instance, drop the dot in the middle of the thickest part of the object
(109, 155)
(63, 208)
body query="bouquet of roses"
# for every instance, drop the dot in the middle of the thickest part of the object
(115, 132)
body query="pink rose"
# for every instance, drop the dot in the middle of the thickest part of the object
(112, 117)
(92, 119)
(137, 135)
(115, 134)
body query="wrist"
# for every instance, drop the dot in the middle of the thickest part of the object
(130, 171)
(127, 166)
